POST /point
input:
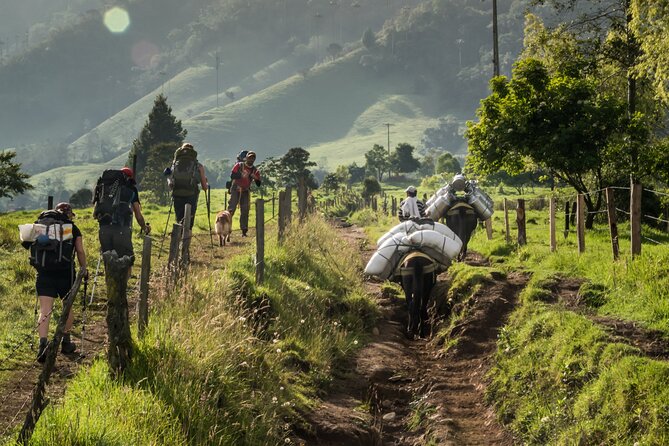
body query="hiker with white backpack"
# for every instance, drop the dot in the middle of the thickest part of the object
(53, 241)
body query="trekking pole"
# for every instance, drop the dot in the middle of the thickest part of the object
(211, 236)
(83, 317)
(95, 280)
(32, 343)
(160, 251)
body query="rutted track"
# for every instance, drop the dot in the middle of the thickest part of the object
(402, 392)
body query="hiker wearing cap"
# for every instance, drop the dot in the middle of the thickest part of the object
(411, 207)
(116, 200)
(243, 173)
(184, 176)
(51, 255)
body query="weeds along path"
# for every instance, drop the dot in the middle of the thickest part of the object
(652, 343)
(402, 392)
(18, 375)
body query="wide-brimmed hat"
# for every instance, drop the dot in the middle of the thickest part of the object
(65, 208)
(411, 190)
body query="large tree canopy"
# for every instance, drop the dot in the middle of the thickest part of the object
(559, 122)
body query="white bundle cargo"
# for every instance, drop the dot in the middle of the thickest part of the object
(29, 232)
(409, 226)
(435, 244)
(387, 256)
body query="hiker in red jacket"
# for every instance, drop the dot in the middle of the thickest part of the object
(243, 173)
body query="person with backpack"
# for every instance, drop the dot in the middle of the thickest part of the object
(51, 254)
(116, 200)
(184, 176)
(243, 173)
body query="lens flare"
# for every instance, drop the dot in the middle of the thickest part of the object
(117, 20)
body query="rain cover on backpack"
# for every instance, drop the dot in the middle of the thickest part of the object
(112, 199)
(185, 172)
(52, 251)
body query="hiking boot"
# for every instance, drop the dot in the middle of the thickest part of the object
(41, 351)
(67, 346)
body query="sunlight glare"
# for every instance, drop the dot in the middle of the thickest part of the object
(117, 20)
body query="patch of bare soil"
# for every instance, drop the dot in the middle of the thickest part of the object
(407, 392)
(652, 343)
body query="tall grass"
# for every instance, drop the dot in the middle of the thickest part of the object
(226, 361)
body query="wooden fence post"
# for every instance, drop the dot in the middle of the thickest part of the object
(38, 404)
(580, 222)
(488, 228)
(520, 221)
(385, 205)
(143, 302)
(119, 352)
(394, 206)
(49, 202)
(260, 241)
(635, 218)
(613, 224)
(507, 229)
(175, 240)
(572, 217)
(301, 198)
(186, 238)
(566, 218)
(282, 216)
(551, 223)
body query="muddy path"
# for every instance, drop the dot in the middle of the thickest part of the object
(408, 392)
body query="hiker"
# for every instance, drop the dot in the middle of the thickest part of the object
(184, 175)
(243, 172)
(411, 207)
(115, 200)
(52, 256)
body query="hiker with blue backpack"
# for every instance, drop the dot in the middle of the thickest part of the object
(242, 175)
(53, 242)
(184, 176)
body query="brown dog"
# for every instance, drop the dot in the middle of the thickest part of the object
(223, 227)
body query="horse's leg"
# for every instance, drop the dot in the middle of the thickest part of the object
(428, 283)
(416, 301)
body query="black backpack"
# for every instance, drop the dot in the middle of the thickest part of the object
(112, 199)
(49, 252)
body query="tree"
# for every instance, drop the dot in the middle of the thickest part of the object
(445, 135)
(377, 161)
(370, 187)
(356, 174)
(331, 182)
(557, 122)
(427, 165)
(334, 50)
(12, 180)
(446, 163)
(369, 39)
(402, 159)
(81, 198)
(295, 165)
(161, 127)
(159, 157)
(218, 172)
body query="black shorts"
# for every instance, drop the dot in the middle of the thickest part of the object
(117, 238)
(54, 283)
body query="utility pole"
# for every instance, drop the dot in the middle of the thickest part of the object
(218, 63)
(387, 124)
(495, 48)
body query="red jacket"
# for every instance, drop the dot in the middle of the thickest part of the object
(242, 176)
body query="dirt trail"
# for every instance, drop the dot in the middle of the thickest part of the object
(401, 392)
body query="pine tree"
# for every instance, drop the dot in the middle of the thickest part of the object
(161, 127)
